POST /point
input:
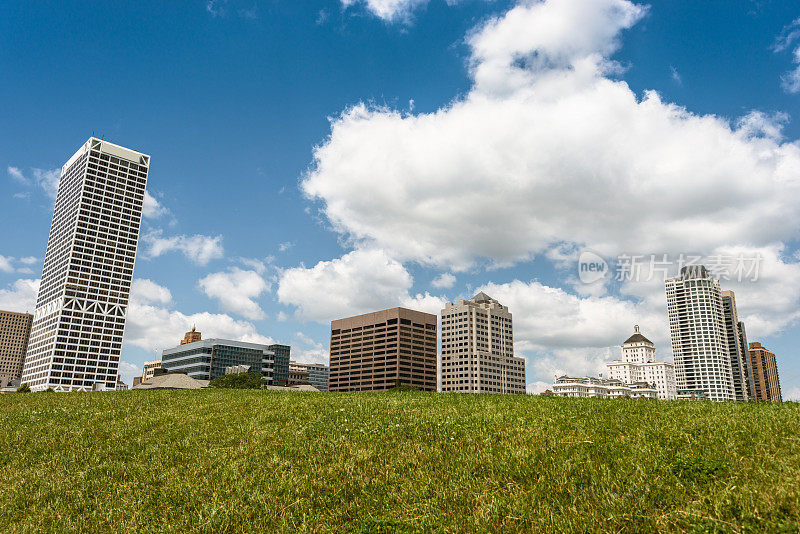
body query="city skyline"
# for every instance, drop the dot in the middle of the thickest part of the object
(243, 244)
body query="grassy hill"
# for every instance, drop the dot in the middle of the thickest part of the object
(234, 460)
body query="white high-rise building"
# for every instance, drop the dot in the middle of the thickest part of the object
(638, 364)
(698, 333)
(478, 348)
(76, 337)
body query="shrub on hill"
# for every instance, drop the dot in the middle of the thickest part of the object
(24, 388)
(238, 381)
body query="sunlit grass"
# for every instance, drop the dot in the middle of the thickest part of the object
(243, 460)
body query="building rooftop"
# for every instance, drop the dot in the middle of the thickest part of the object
(637, 337)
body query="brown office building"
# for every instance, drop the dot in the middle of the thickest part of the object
(767, 385)
(15, 329)
(191, 336)
(381, 350)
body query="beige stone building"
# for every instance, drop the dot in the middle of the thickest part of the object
(191, 336)
(478, 348)
(149, 369)
(767, 384)
(381, 350)
(15, 329)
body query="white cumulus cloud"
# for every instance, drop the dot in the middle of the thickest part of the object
(153, 325)
(236, 291)
(361, 281)
(198, 248)
(20, 296)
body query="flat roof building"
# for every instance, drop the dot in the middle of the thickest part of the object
(315, 374)
(15, 328)
(381, 350)
(207, 359)
(478, 348)
(766, 382)
(76, 336)
(148, 369)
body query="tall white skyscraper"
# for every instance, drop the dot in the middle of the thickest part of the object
(478, 348)
(699, 335)
(638, 364)
(76, 337)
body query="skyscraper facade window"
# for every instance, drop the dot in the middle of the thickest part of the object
(638, 364)
(15, 329)
(699, 335)
(207, 359)
(381, 350)
(76, 336)
(737, 348)
(767, 384)
(478, 348)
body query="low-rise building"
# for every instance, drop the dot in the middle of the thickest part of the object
(692, 394)
(149, 369)
(207, 359)
(315, 374)
(172, 380)
(589, 386)
(298, 374)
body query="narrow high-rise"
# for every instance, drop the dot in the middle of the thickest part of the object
(699, 335)
(15, 329)
(478, 348)
(767, 384)
(76, 337)
(737, 348)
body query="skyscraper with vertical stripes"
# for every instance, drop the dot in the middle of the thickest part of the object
(76, 336)
(699, 335)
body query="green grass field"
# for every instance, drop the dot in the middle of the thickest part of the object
(236, 460)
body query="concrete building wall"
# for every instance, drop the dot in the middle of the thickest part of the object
(478, 348)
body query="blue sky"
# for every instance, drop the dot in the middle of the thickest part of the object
(276, 128)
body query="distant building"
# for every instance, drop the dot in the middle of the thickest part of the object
(692, 394)
(280, 376)
(121, 386)
(315, 374)
(237, 369)
(589, 386)
(318, 375)
(767, 384)
(298, 374)
(737, 348)
(136, 381)
(207, 359)
(699, 335)
(76, 336)
(381, 350)
(478, 348)
(149, 368)
(638, 364)
(15, 328)
(191, 336)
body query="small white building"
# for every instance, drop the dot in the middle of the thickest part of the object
(638, 364)
(589, 386)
